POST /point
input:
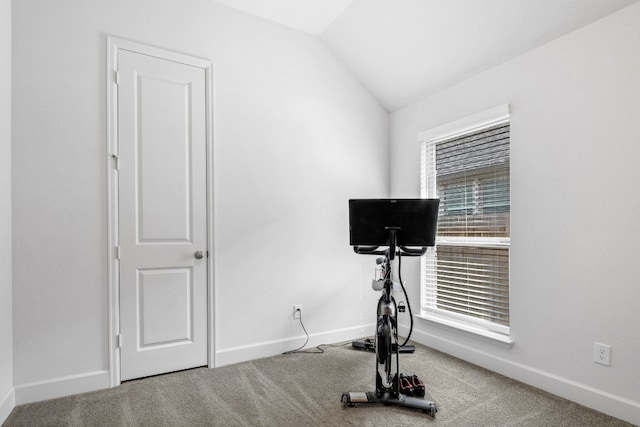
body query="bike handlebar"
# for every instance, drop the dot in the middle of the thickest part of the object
(401, 250)
(413, 251)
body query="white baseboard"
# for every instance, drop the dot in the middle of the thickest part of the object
(616, 406)
(602, 401)
(62, 386)
(7, 404)
(271, 348)
(90, 381)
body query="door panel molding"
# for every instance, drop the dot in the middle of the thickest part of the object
(114, 46)
(148, 283)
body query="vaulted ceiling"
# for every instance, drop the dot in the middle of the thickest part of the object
(403, 50)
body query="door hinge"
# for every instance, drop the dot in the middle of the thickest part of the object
(117, 254)
(116, 161)
(119, 341)
(116, 77)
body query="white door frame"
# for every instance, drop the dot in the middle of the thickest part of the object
(113, 46)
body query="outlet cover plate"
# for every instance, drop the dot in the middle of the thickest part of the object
(602, 354)
(297, 311)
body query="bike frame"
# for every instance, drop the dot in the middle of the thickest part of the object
(386, 344)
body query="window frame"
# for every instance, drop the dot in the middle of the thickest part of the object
(470, 124)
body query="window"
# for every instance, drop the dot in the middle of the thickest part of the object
(465, 277)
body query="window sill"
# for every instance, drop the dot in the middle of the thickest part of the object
(466, 327)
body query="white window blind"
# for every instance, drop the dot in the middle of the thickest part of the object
(466, 275)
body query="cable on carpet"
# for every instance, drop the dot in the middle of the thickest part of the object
(314, 350)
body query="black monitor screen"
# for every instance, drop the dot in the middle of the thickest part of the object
(417, 219)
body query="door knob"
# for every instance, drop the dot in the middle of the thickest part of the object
(199, 255)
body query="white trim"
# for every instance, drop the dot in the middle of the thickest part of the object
(428, 139)
(212, 360)
(7, 404)
(468, 327)
(271, 348)
(483, 119)
(599, 400)
(61, 386)
(157, 52)
(113, 45)
(112, 235)
(479, 242)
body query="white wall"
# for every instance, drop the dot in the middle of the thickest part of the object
(575, 145)
(6, 335)
(295, 135)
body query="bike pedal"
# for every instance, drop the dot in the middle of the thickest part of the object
(418, 386)
(405, 386)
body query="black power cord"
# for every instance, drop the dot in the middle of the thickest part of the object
(315, 350)
(407, 298)
(297, 350)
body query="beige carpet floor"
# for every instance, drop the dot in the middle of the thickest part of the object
(305, 390)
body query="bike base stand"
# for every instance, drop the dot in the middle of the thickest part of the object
(369, 344)
(354, 398)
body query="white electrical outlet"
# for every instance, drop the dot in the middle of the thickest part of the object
(602, 354)
(297, 311)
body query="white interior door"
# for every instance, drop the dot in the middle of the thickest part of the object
(162, 213)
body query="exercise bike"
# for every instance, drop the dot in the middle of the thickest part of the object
(414, 221)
